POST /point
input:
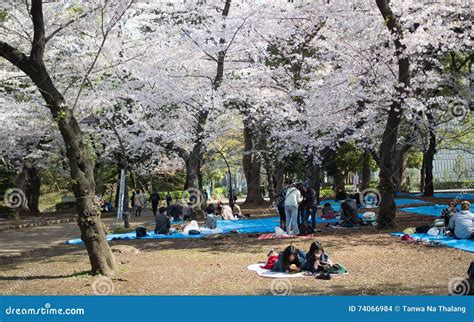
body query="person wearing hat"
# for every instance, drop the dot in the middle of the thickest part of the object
(462, 223)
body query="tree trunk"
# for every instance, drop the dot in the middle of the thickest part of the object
(252, 165)
(366, 171)
(192, 163)
(404, 184)
(387, 210)
(82, 170)
(193, 182)
(429, 158)
(422, 174)
(401, 172)
(279, 175)
(338, 184)
(314, 176)
(30, 182)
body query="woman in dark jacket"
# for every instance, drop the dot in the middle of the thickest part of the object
(290, 260)
(316, 258)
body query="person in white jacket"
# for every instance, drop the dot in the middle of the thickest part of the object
(292, 200)
(462, 223)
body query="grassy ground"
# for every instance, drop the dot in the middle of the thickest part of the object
(377, 264)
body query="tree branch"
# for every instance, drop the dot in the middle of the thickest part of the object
(37, 48)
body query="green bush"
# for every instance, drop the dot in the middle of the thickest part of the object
(468, 184)
(65, 205)
(219, 191)
(174, 194)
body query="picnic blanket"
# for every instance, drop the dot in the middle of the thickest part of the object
(263, 272)
(398, 202)
(269, 274)
(463, 244)
(274, 236)
(434, 210)
(242, 226)
(407, 201)
(446, 195)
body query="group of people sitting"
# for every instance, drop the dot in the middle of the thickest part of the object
(460, 223)
(222, 212)
(213, 214)
(294, 260)
(296, 203)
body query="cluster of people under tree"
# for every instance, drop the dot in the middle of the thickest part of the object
(222, 212)
(164, 215)
(296, 204)
(459, 222)
(138, 202)
(294, 260)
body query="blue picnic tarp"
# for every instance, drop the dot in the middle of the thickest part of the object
(243, 226)
(463, 244)
(398, 201)
(433, 210)
(446, 195)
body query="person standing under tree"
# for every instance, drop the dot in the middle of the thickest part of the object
(292, 200)
(168, 199)
(138, 204)
(155, 200)
(143, 199)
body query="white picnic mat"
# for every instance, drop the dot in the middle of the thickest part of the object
(269, 274)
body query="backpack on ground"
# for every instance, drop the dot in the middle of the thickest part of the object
(305, 229)
(140, 231)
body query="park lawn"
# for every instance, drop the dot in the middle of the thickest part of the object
(377, 264)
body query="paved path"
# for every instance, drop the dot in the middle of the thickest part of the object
(14, 242)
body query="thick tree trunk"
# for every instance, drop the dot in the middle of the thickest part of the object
(192, 163)
(29, 181)
(279, 175)
(252, 165)
(193, 182)
(366, 172)
(387, 210)
(401, 172)
(82, 174)
(338, 184)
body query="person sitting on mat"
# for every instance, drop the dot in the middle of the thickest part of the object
(328, 212)
(211, 218)
(316, 259)
(448, 212)
(162, 222)
(349, 216)
(462, 223)
(225, 211)
(290, 260)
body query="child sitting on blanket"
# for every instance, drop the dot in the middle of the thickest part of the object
(290, 260)
(328, 212)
